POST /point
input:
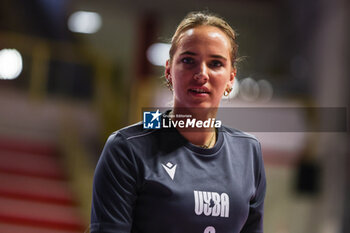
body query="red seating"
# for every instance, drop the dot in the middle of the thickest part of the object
(34, 193)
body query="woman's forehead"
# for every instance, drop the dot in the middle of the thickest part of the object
(210, 36)
(210, 31)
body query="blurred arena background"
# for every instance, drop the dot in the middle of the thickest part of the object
(72, 72)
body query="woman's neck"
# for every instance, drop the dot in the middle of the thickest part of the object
(196, 113)
(200, 136)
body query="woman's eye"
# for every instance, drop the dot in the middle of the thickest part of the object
(216, 63)
(187, 60)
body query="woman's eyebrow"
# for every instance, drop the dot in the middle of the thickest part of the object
(218, 56)
(188, 53)
(194, 54)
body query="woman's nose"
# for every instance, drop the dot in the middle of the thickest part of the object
(202, 73)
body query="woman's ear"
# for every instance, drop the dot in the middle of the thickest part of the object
(167, 71)
(169, 81)
(233, 75)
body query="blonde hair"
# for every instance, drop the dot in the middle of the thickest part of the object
(195, 19)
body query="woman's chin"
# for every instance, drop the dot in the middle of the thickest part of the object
(199, 105)
(195, 103)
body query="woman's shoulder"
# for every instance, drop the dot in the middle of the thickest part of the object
(244, 141)
(140, 142)
(132, 133)
(236, 133)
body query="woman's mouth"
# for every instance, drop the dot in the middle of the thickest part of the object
(199, 91)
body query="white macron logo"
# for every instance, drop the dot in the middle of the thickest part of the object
(170, 169)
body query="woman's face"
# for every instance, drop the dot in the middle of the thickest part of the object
(201, 68)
